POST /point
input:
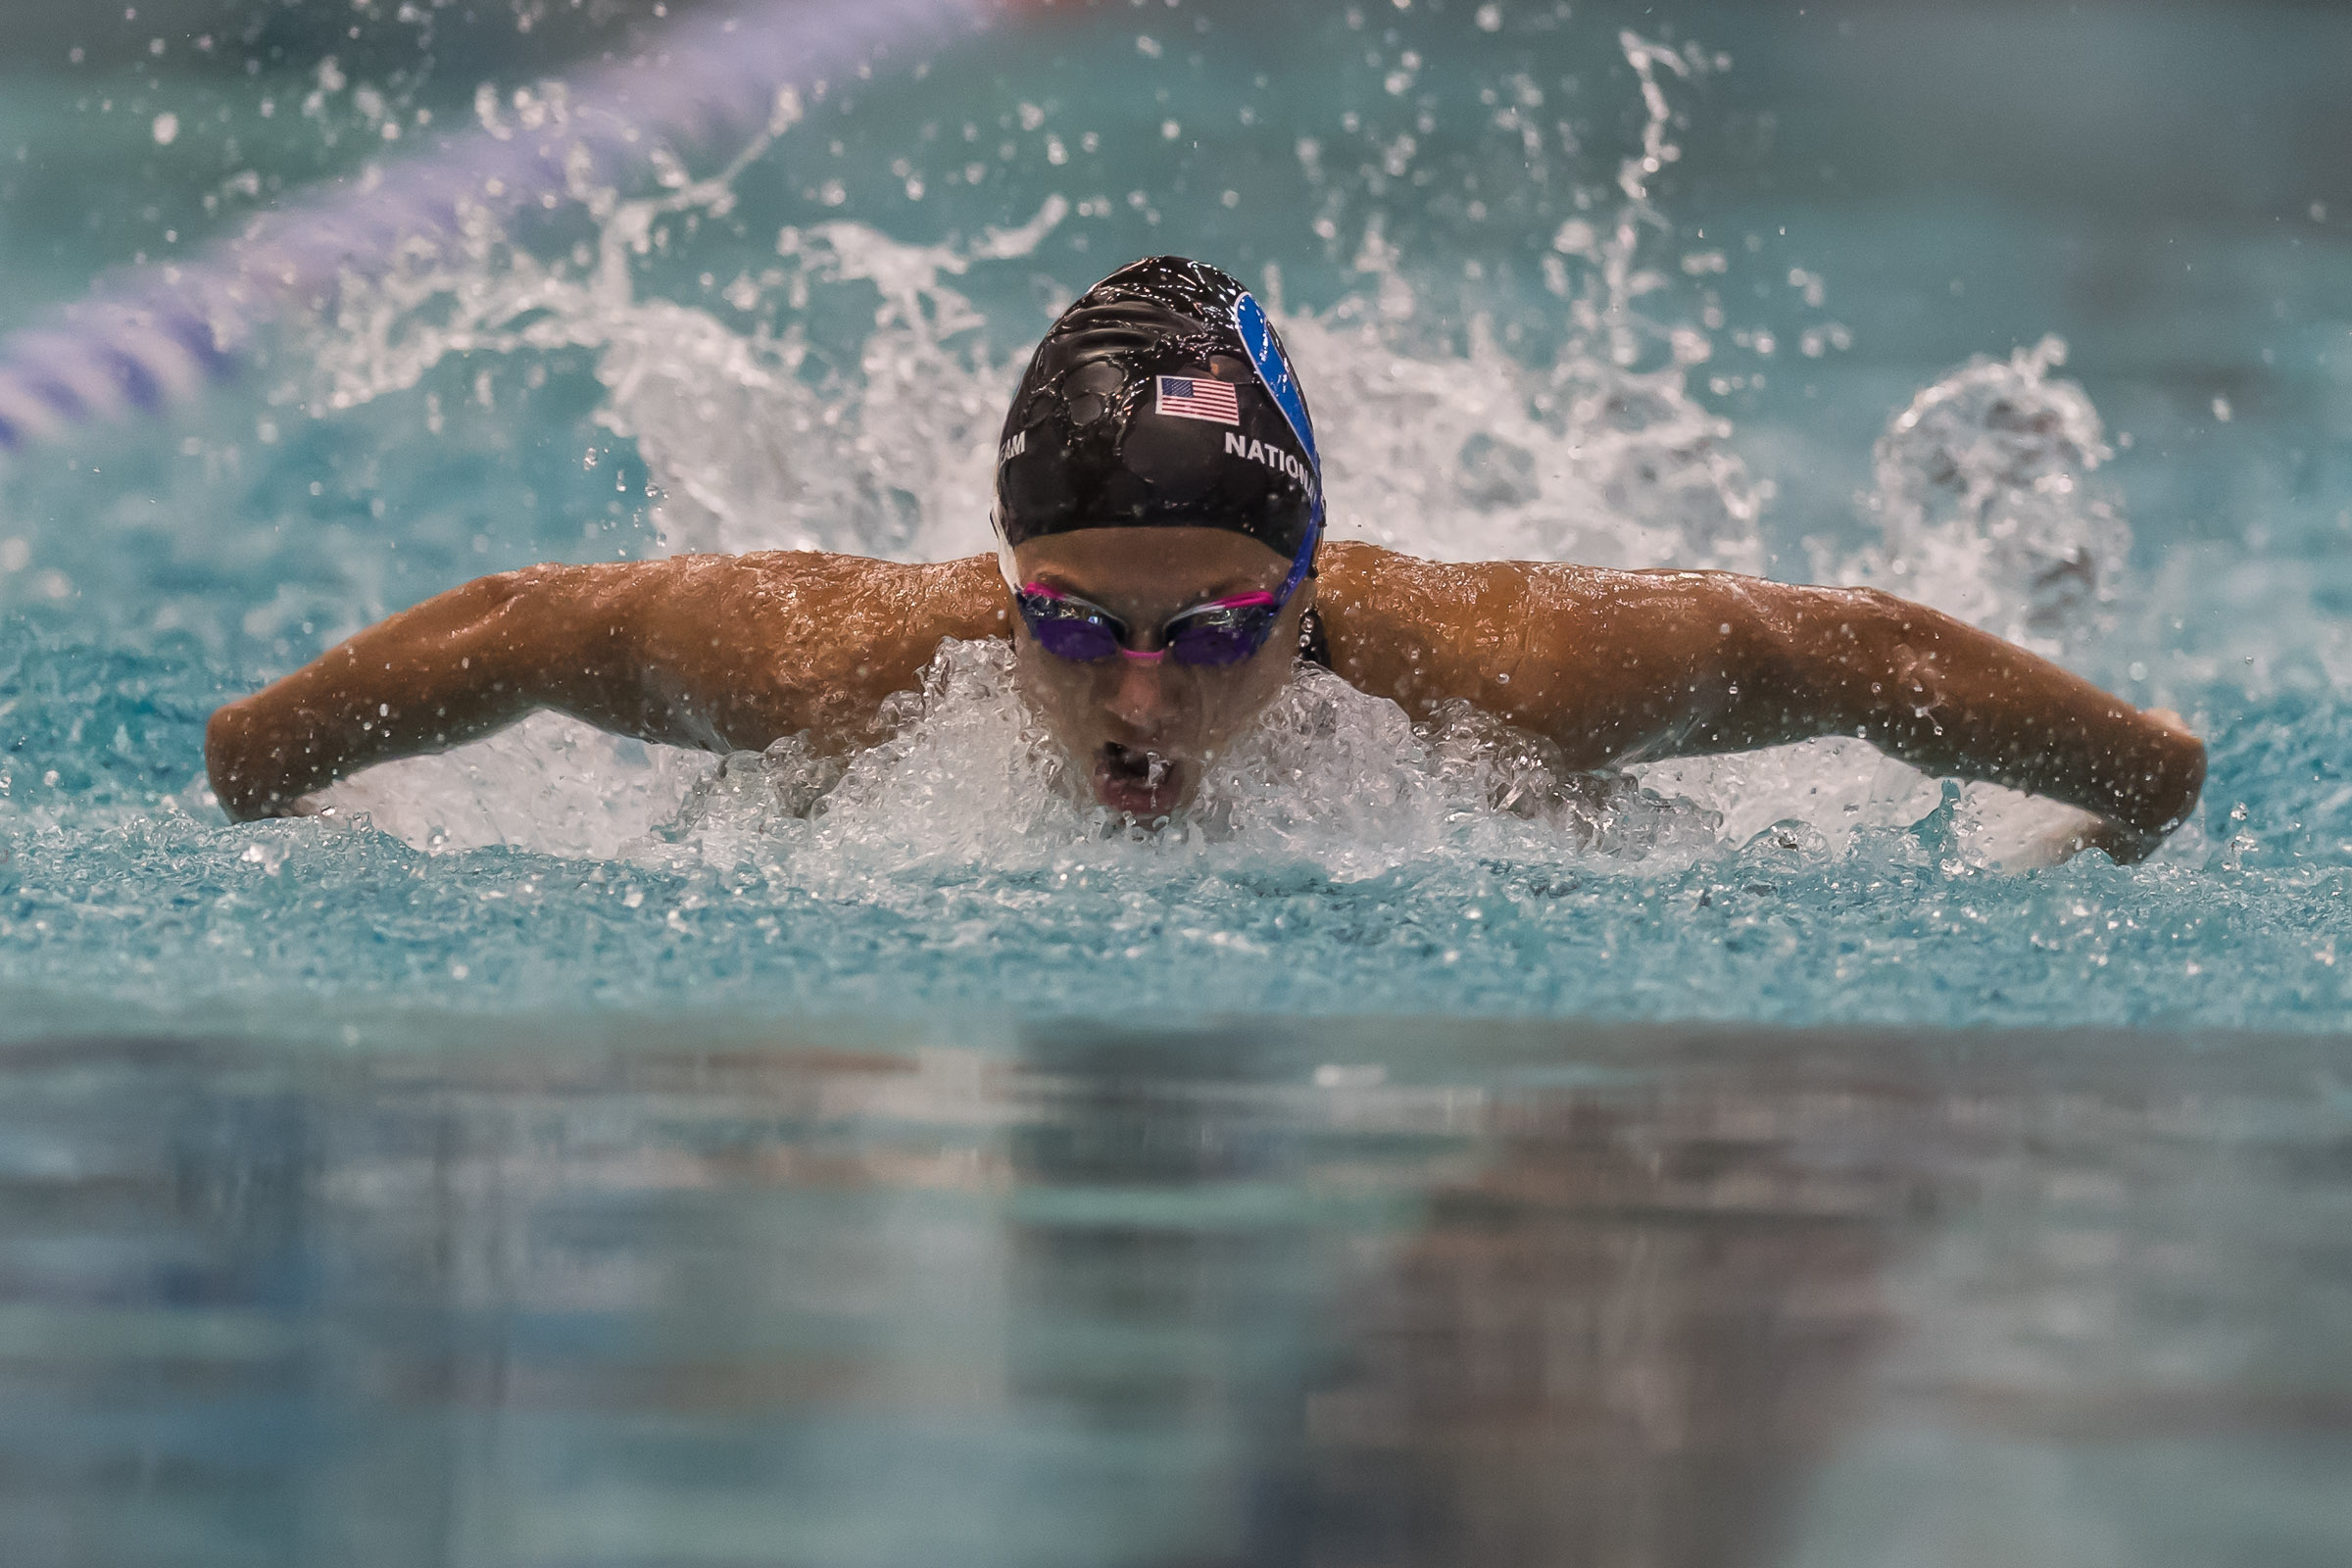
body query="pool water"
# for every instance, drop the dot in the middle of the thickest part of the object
(1302, 1293)
(570, 1152)
(1520, 342)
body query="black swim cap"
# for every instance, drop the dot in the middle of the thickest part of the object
(1163, 397)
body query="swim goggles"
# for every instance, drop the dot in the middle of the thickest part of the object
(1221, 632)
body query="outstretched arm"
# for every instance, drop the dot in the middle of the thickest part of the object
(720, 652)
(1632, 666)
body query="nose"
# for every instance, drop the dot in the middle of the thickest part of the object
(1140, 699)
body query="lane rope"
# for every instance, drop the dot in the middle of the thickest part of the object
(160, 335)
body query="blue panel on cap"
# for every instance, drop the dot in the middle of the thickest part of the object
(1274, 370)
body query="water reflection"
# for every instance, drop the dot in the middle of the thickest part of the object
(1298, 1293)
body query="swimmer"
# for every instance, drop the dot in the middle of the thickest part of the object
(1162, 571)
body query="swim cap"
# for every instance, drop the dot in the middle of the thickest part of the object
(1163, 397)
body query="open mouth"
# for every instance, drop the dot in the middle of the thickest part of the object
(1141, 784)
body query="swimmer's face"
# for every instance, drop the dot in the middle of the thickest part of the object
(1143, 732)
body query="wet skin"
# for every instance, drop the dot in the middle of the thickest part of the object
(729, 652)
(1144, 731)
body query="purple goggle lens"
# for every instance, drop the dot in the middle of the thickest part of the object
(1227, 632)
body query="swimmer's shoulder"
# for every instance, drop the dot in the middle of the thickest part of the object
(804, 640)
(929, 601)
(1419, 631)
(1370, 585)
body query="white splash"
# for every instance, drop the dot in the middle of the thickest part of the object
(746, 452)
(1987, 506)
(1332, 778)
(1987, 509)
(1604, 456)
(1984, 502)
(550, 784)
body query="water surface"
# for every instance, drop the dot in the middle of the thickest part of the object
(1263, 1294)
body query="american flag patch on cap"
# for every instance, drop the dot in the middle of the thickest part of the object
(1197, 397)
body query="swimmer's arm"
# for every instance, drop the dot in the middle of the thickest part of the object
(1633, 667)
(1938, 692)
(717, 652)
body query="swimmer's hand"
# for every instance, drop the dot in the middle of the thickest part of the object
(2125, 844)
(2078, 831)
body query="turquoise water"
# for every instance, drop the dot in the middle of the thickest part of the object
(573, 1152)
(812, 349)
